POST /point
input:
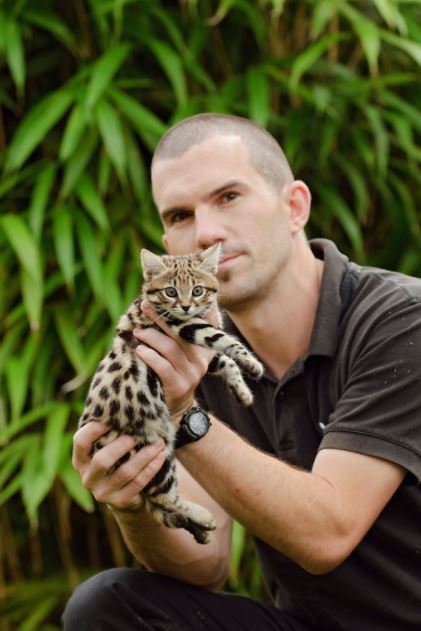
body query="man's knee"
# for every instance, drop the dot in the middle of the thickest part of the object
(92, 599)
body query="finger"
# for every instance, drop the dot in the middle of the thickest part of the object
(83, 440)
(175, 350)
(150, 313)
(129, 471)
(103, 459)
(127, 496)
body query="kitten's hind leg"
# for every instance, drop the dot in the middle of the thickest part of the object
(226, 368)
(182, 514)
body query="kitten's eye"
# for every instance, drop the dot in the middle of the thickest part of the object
(197, 291)
(171, 292)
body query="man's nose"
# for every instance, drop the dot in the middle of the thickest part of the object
(209, 228)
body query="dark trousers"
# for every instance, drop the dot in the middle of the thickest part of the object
(125, 599)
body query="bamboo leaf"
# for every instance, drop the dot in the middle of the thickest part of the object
(75, 127)
(73, 485)
(139, 116)
(305, 60)
(92, 202)
(15, 54)
(53, 436)
(172, 66)
(103, 72)
(17, 384)
(76, 164)
(258, 96)
(39, 199)
(63, 240)
(50, 22)
(33, 294)
(70, 340)
(413, 49)
(25, 421)
(91, 259)
(23, 243)
(112, 134)
(35, 126)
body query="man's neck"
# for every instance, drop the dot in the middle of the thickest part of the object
(279, 327)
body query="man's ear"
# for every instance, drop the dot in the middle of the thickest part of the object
(296, 197)
(152, 264)
(210, 258)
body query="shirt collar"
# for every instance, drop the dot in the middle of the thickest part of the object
(324, 337)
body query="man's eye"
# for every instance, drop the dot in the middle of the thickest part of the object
(178, 217)
(171, 292)
(229, 197)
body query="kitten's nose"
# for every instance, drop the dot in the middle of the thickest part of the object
(185, 308)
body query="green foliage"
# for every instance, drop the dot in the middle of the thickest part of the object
(87, 89)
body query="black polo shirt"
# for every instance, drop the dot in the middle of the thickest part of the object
(357, 388)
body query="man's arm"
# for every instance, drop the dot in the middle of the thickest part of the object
(316, 518)
(170, 552)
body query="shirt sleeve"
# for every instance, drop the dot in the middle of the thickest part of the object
(379, 410)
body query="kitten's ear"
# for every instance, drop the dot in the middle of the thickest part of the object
(152, 264)
(210, 258)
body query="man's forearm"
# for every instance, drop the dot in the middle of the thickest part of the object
(288, 508)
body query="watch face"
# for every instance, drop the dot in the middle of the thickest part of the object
(198, 423)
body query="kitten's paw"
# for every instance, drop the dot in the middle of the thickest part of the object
(243, 394)
(251, 365)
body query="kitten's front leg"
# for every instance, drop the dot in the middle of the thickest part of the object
(202, 333)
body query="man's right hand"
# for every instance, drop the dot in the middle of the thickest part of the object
(121, 488)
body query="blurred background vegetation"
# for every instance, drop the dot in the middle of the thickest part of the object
(86, 90)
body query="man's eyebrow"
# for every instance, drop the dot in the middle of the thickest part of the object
(214, 193)
(223, 187)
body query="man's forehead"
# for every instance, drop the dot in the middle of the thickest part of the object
(218, 157)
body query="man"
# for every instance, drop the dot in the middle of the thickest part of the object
(324, 469)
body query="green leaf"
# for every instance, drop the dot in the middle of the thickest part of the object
(15, 54)
(140, 117)
(53, 436)
(70, 340)
(413, 49)
(172, 66)
(258, 96)
(35, 126)
(17, 384)
(39, 199)
(23, 243)
(103, 72)
(63, 240)
(91, 259)
(24, 421)
(75, 127)
(52, 23)
(92, 202)
(33, 294)
(305, 60)
(369, 35)
(112, 134)
(72, 482)
(77, 163)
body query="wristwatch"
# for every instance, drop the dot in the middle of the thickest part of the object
(193, 426)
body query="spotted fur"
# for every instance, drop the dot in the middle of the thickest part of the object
(127, 395)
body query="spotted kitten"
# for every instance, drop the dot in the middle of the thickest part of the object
(127, 395)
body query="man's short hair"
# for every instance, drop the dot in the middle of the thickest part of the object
(266, 156)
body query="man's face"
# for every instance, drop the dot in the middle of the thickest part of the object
(212, 193)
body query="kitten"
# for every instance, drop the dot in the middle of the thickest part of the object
(127, 395)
